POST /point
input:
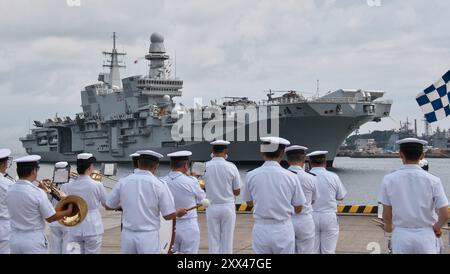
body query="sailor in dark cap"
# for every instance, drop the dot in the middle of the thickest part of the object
(29, 208)
(187, 193)
(5, 182)
(330, 190)
(303, 222)
(277, 195)
(410, 197)
(88, 234)
(143, 198)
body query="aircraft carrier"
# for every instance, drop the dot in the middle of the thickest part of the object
(121, 116)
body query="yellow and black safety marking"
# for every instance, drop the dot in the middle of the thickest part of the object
(357, 209)
(342, 209)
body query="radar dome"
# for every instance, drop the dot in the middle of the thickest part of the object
(157, 38)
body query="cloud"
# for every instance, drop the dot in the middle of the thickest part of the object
(50, 51)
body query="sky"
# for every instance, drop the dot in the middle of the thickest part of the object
(51, 49)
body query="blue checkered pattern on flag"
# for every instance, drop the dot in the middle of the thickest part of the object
(435, 100)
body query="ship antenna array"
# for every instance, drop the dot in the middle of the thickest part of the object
(114, 62)
(318, 88)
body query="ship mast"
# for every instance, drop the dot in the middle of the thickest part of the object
(114, 66)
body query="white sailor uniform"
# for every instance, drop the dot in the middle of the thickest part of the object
(28, 207)
(304, 223)
(5, 226)
(330, 190)
(187, 193)
(143, 198)
(414, 194)
(221, 178)
(89, 233)
(275, 191)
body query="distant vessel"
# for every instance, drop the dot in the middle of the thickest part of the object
(122, 116)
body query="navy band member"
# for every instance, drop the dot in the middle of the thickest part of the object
(88, 234)
(223, 184)
(409, 197)
(330, 190)
(303, 223)
(29, 207)
(59, 234)
(275, 192)
(187, 193)
(5, 183)
(143, 199)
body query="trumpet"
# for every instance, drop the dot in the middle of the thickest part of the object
(96, 176)
(80, 207)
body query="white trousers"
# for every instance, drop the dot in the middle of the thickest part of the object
(221, 219)
(87, 244)
(327, 232)
(414, 241)
(133, 242)
(273, 237)
(187, 239)
(33, 242)
(59, 236)
(305, 232)
(5, 234)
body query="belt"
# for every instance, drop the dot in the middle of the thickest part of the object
(272, 222)
(223, 204)
(27, 231)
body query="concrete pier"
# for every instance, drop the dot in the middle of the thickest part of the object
(358, 235)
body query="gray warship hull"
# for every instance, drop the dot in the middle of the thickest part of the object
(122, 116)
(315, 132)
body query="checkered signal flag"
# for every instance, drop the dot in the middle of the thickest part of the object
(435, 100)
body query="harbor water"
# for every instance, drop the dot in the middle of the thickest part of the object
(361, 177)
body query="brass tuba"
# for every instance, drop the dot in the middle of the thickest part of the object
(80, 208)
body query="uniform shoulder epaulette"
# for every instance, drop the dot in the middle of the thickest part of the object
(292, 171)
(311, 173)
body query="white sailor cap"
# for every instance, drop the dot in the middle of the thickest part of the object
(180, 155)
(135, 155)
(61, 164)
(296, 148)
(220, 143)
(30, 159)
(84, 156)
(271, 144)
(4, 153)
(275, 141)
(412, 141)
(150, 154)
(317, 153)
